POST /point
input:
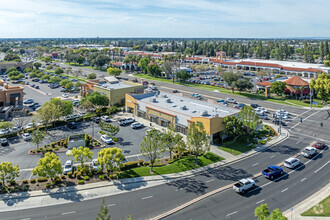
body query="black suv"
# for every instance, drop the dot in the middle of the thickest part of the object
(72, 125)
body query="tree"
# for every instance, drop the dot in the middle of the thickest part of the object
(97, 98)
(143, 63)
(104, 212)
(262, 213)
(69, 85)
(27, 70)
(80, 60)
(6, 124)
(197, 139)
(49, 166)
(37, 65)
(234, 126)
(109, 128)
(55, 79)
(37, 137)
(110, 158)
(278, 87)
(242, 84)
(91, 76)
(48, 113)
(171, 139)
(230, 78)
(12, 57)
(183, 75)
(250, 119)
(113, 71)
(8, 172)
(58, 71)
(322, 86)
(168, 69)
(152, 147)
(81, 154)
(64, 82)
(101, 60)
(47, 59)
(154, 70)
(20, 120)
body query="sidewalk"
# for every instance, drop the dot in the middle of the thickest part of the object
(307, 204)
(34, 199)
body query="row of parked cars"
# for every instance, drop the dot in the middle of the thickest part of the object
(273, 171)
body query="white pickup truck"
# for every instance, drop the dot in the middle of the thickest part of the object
(243, 185)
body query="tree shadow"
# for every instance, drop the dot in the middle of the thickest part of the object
(4, 150)
(190, 185)
(67, 193)
(283, 149)
(131, 183)
(11, 199)
(226, 173)
(14, 140)
(125, 143)
(252, 192)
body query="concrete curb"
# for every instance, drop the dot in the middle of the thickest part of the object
(162, 178)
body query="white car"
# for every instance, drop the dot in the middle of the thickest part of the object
(4, 131)
(260, 112)
(262, 109)
(291, 162)
(243, 185)
(105, 118)
(95, 165)
(75, 116)
(231, 100)
(106, 139)
(16, 128)
(129, 120)
(68, 166)
(65, 96)
(30, 125)
(309, 152)
(66, 118)
(136, 125)
(282, 112)
(81, 114)
(26, 136)
(148, 90)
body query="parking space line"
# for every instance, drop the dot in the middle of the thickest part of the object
(272, 156)
(284, 190)
(148, 197)
(303, 179)
(232, 213)
(67, 213)
(111, 205)
(255, 164)
(260, 201)
(209, 181)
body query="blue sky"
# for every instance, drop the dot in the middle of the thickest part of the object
(165, 18)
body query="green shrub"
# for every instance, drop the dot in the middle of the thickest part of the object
(56, 148)
(38, 151)
(185, 153)
(63, 177)
(129, 165)
(12, 183)
(86, 178)
(57, 181)
(100, 171)
(69, 174)
(146, 163)
(42, 179)
(159, 165)
(25, 181)
(262, 142)
(81, 182)
(78, 175)
(102, 177)
(102, 132)
(48, 185)
(140, 162)
(26, 188)
(33, 180)
(86, 170)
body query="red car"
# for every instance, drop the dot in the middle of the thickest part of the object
(319, 145)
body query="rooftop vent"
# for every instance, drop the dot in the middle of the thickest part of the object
(164, 96)
(184, 107)
(174, 106)
(181, 100)
(154, 100)
(204, 113)
(193, 111)
(168, 100)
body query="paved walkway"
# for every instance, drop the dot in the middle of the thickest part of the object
(307, 204)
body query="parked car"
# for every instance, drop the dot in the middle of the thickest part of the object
(95, 165)
(243, 185)
(68, 167)
(175, 91)
(262, 109)
(106, 139)
(37, 87)
(81, 114)
(65, 96)
(319, 145)
(16, 129)
(4, 131)
(272, 171)
(231, 100)
(309, 152)
(74, 116)
(105, 118)
(66, 118)
(96, 119)
(4, 141)
(27, 83)
(129, 120)
(28, 101)
(33, 85)
(30, 125)
(196, 95)
(35, 80)
(291, 162)
(63, 90)
(74, 80)
(136, 125)
(222, 101)
(253, 105)
(72, 125)
(26, 136)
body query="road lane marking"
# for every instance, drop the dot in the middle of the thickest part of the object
(111, 205)
(209, 181)
(232, 213)
(260, 201)
(298, 142)
(148, 197)
(303, 179)
(322, 167)
(25, 219)
(68, 213)
(255, 164)
(309, 136)
(284, 190)
(272, 156)
(304, 120)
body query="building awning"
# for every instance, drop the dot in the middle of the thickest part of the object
(164, 120)
(143, 112)
(180, 125)
(153, 116)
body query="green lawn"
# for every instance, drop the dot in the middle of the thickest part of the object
(84, 66)
(184, 164)
(239, 146)
(291, 102)
(322, 209)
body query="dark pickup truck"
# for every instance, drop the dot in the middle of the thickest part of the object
(272, 171)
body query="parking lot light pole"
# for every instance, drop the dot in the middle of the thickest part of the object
(92, 128)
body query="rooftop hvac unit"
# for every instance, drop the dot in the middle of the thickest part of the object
(168, 100)
(193, 111)
(154, 100)
(184, 107)
(164, 96)
(204, 113)
(156, 95)
(174, 106)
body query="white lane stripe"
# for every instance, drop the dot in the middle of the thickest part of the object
(305, 135)
(298, 142)
(232, 213)
(209, 181)
(25, 219)
(148, 197)
(322, 167)
(304, 119)
(284, 190)
(255, 164)
(67, 213)
(260, 201)
(272, 156)
(111, 205)
(303, 179)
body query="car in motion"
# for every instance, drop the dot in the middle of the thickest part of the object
(291, 162)
(243, 185)
(319, 145)
(68, 167)
(230, 100)
(106, 139)
(272, 171)
(309, 152)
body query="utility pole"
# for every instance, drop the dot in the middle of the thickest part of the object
(93, 128)
(310, 97)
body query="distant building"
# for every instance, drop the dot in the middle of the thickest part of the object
(20, 66)
(11, 99)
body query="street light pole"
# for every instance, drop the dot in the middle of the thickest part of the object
(310, 97)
